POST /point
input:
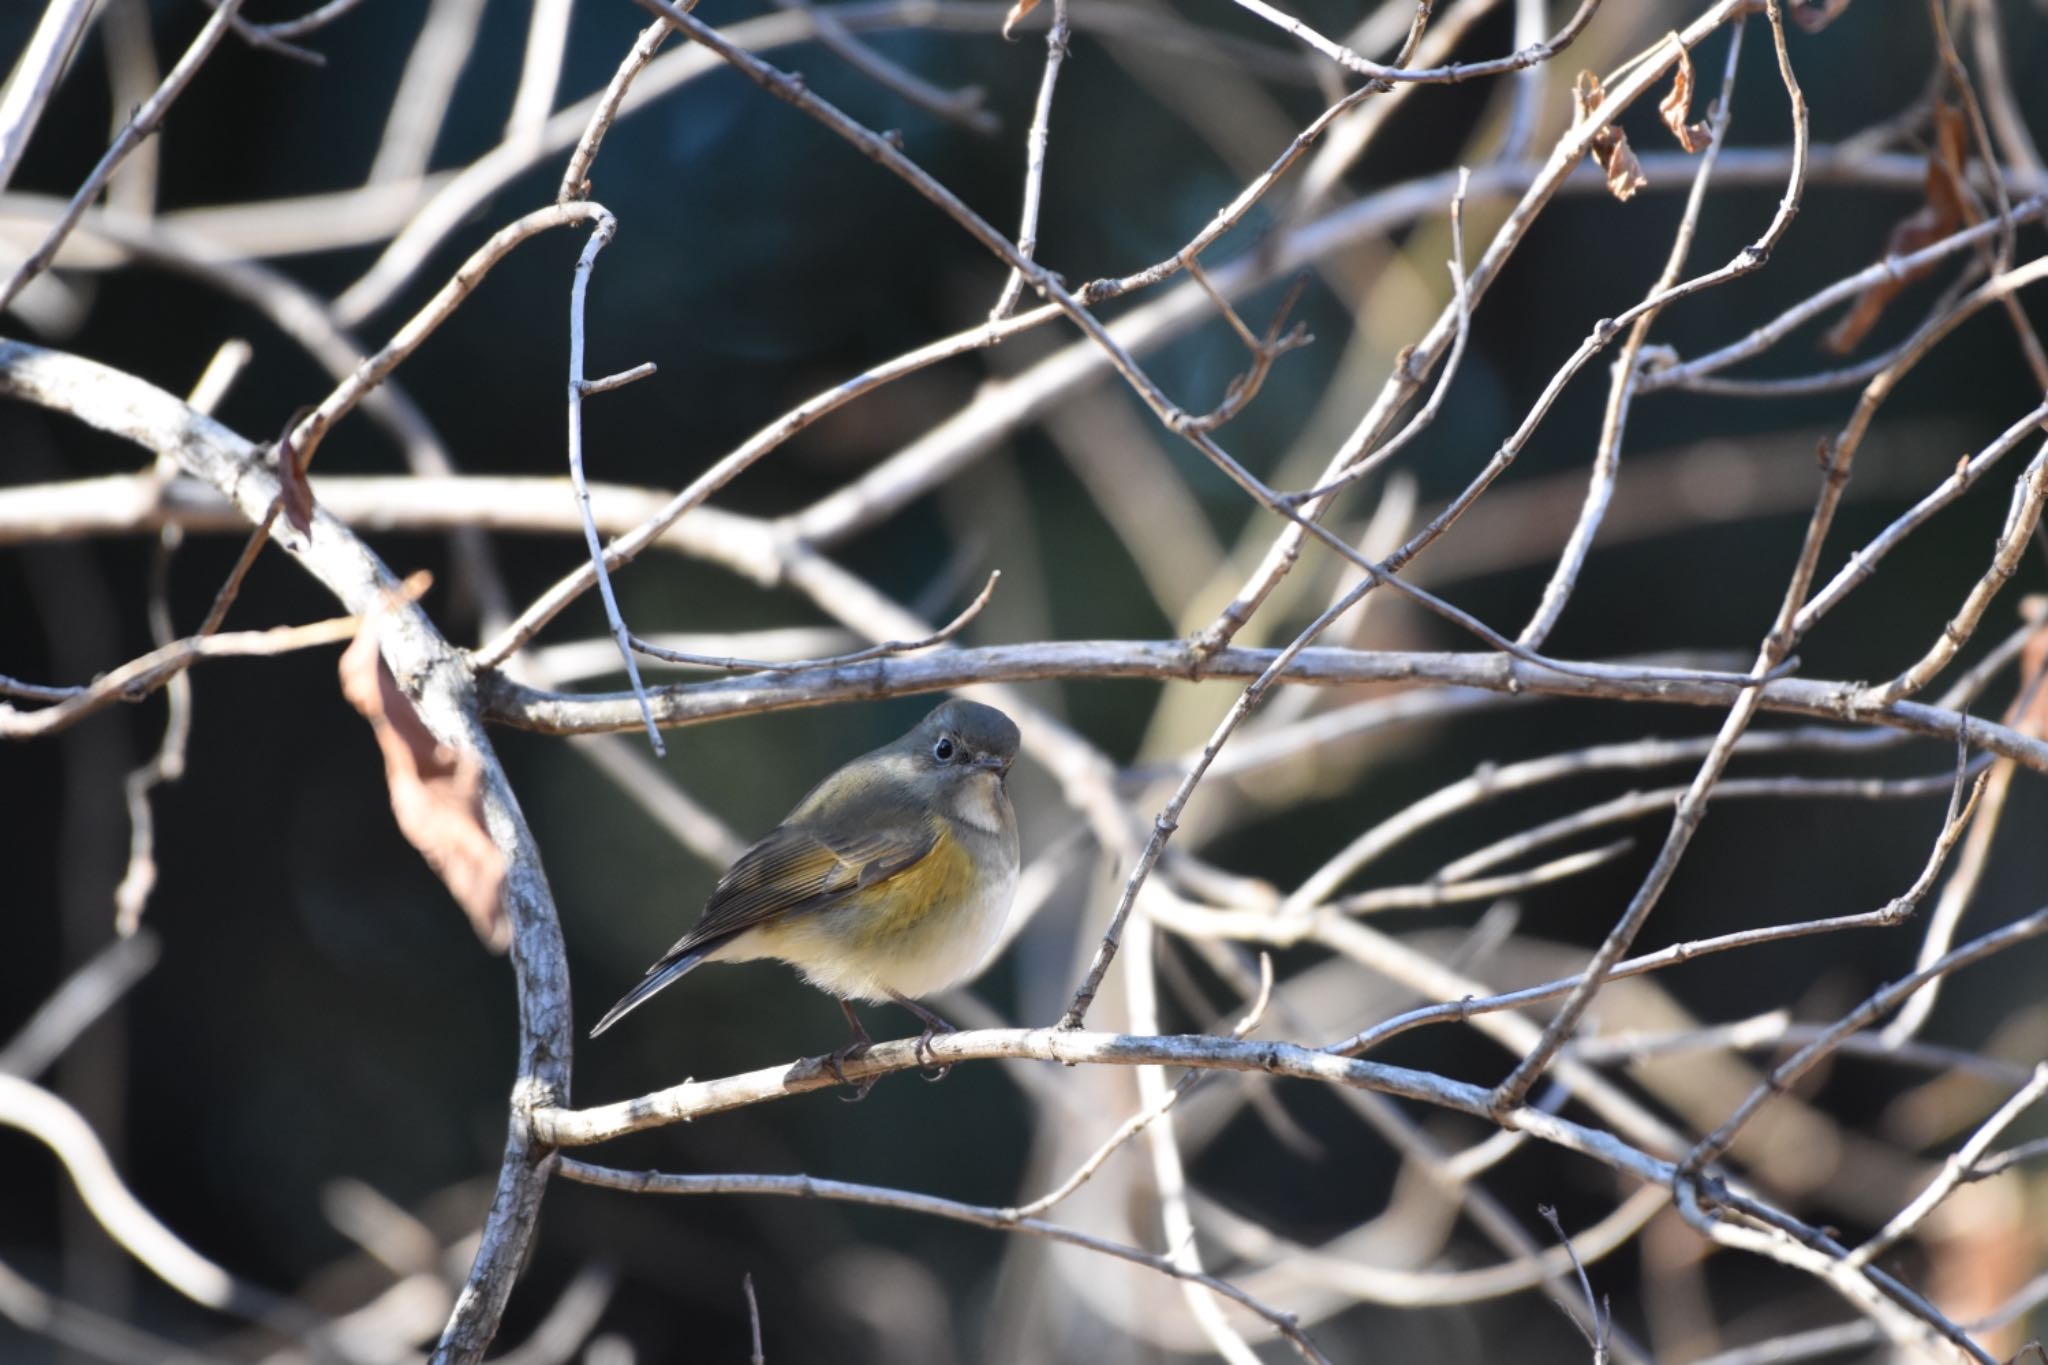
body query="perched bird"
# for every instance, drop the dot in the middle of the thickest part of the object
(890, 881)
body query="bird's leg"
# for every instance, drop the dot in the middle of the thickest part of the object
(933, 1027)
(860, 1044)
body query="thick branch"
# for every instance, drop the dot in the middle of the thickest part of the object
(433, 674)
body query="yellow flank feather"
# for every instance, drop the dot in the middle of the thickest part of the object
(896, 907)
(917, 931)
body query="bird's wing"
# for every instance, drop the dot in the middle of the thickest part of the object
(801, 868)
(806, 864)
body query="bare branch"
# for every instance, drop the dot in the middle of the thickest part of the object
(1997, 941)
(886, 647)
(140, 125)
(35, 76)
(43, 1116)
(810, 1187)
(139, 677)
(512, 703)
(1954, 1171)
(86, 994)
(602, 226)
(1057, 42)
(442, 689)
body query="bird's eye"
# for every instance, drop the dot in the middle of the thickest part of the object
(943, 750)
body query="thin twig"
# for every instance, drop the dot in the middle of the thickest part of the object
(753, 1319)
(35, 76)
(140, 676)
(312, 20)
(373, 371)
(618, 381)
(576, 177)
(1773, 1031)
(1776, 648)
(514, 703)
(540, 69)
(1138, 1122)
(44, 1116)
(1661, 800)
(1863, 563)
(1460, 71)
(72, 1008)
(1893, 913)
(961, 108)
(1057, 46)
(602, 227)
(231, 586)
(877, 651)
(167, 764)
(419, 109)
(1169, 1171)
(2002, 106)
(1416, 362)
(145, 121)
(1954, 1172)
(1433, 894)
(1606, 468)
(1962, 887)
(1686, 374)
(1597, 1336)
(811, 1187)
(1265, 349)
(2021, 519)
(1168, 819)
(880, 149)
(1879, 1002)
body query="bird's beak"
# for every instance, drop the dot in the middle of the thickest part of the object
(997, 762)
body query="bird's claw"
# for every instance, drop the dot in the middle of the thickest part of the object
(837, 1061)
(933, 1027)
(934, 1070)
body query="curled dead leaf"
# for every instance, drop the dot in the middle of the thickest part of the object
(294, 493)
(1609, 147)
(1940, 214)
(436, 791)
(1693, 137)
(1016, 16)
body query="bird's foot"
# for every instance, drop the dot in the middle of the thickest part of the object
(857, 1047)
(837, 1061)
(934, 1025)
(932, 1071)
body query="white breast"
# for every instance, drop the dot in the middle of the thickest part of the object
(962, 950)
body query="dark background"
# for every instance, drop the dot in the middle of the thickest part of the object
(320, 1010)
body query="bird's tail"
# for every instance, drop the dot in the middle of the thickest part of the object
(659, 975)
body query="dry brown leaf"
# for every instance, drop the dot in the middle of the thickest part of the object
(1587, 95)
(1624, 173)
(1940, 215)
(1016, 16)
(1609, 147)
(436, 791)
(1693, 137)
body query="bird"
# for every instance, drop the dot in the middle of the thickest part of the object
(891, 880)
